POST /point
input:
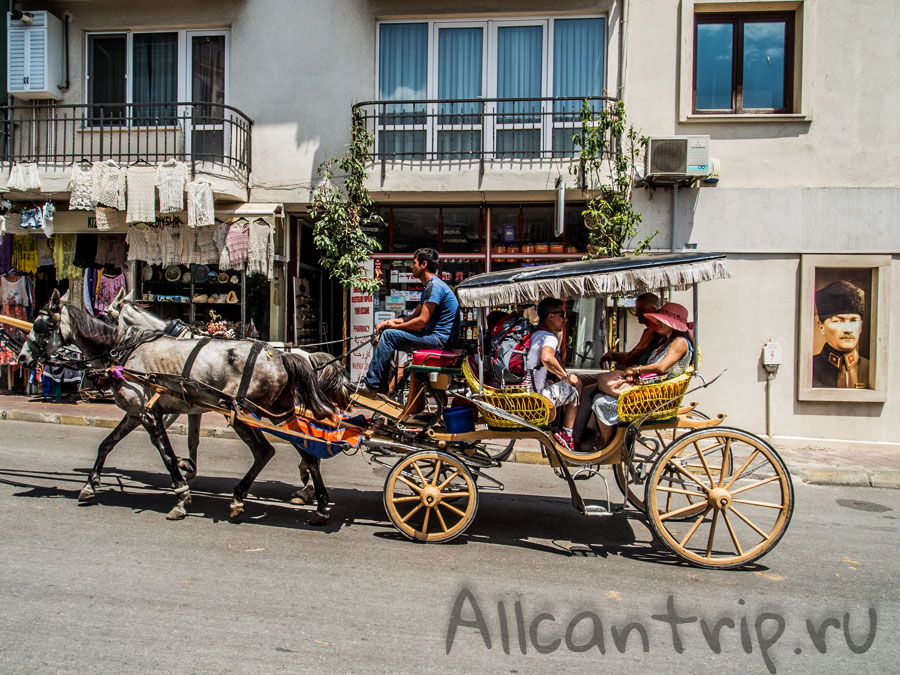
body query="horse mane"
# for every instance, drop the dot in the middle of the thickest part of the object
(90, 328)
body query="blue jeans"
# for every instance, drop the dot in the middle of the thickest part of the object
(393, 340)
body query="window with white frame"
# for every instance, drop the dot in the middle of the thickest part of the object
(486, 86)
(135, 78)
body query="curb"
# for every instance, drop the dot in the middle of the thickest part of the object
(877, 478)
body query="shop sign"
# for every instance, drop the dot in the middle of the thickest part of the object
(383, 316)
(395, 303)
(361, 327)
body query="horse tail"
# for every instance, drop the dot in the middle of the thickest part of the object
(332, 377)
(305, 388)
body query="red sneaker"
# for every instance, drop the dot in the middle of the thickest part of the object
(565, 440)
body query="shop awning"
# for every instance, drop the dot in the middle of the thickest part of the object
(248, 209)
(591, 278)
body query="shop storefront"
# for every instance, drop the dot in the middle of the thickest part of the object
(470, 239)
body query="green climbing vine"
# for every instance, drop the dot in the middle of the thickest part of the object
(341, 212)
(610, 152)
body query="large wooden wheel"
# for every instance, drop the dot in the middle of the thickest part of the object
(430, 496)
(719, 498)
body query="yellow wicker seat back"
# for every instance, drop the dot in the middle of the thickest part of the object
(640, 399)
(531, 407)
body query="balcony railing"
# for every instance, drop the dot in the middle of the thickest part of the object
(475, 129)
(215, 135)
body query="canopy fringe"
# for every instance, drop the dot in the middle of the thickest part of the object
(620, 282)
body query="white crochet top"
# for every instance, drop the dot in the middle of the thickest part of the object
(171, 178)
(109, 185)
(260, 249)
(81, 187)
(200, 204)
(141, 194)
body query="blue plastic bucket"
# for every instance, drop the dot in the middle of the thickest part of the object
(459, 420)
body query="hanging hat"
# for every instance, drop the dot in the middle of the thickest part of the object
(839, 297)
(200, 273)
(672, 315)
(173, 273)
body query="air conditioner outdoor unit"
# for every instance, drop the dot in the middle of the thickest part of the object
(676, 158)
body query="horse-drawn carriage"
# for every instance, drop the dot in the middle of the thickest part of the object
(716, 496)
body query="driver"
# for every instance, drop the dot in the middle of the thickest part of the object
(434, 324)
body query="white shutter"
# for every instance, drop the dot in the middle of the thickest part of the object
(15, 80)
(37, 59)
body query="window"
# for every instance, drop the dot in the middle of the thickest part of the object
(456, 68)
(743, 63)
(134, 79)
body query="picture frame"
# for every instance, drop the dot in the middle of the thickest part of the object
(844, 357)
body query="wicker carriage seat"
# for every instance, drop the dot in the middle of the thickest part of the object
(640, 399)
(517, 400)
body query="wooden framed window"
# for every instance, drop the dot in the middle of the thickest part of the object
(743, 63)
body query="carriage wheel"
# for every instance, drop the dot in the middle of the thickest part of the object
(735, 489)
(430, 496)
(645, 452)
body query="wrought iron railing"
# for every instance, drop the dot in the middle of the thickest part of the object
(59, 134)
(475, 129)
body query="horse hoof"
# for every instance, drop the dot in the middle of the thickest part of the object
(86, 495)
(304, 496)
(176, 514)
(318, 518)
(237, 508)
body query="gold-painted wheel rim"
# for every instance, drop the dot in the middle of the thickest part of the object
(719, 498)
(430, 496)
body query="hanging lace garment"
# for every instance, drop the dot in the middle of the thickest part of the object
(153, 247)
(109, 218)
(13, 223)
(49, 213)
(171, 177)
(81, 187)
(109, 185)
(236, 241)
(168, 244)
(260, 248)
(188, 253)
(219, 233)
(44, 252)
(200, 204)
(141, 194)
(2, 224)
(6, 251)
(24, 178)
(63, 255)
(137, 243)
(76, 284)
(25, 257)
(207, 251)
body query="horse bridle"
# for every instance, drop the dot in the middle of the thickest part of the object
(41, 329)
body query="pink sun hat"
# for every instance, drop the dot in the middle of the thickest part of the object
(672, 315)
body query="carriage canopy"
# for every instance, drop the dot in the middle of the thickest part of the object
(591, 278)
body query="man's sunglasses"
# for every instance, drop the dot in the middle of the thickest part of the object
(561, 311)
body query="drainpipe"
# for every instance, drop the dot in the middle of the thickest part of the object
(623, 44)
(674, 217)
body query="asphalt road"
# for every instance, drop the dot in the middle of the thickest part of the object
(114, 587)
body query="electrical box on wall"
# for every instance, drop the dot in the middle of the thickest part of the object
(34, 55)
(772, 354)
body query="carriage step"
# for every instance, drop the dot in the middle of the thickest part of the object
(596, 510)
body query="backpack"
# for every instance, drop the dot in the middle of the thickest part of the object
(510, 341)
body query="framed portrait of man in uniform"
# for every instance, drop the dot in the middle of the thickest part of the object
(844, 306)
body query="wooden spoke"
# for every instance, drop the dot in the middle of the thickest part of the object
(706, 467)
(444, 484)
(428, 510)
(687, 473)
(694, 527)
(437, 472)
(712, 534)
(677, 512)
(743, 468)
(411, 513)
(749, 523)
(409, 498)
(726, 454)
(679, 491)
(437, 512)
(734, 538)
(415, 466)
(452, 495)
(768, 505)
(452, 508)
(756, 484)
(404, 479)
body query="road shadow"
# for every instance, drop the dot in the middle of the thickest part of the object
(540, 523)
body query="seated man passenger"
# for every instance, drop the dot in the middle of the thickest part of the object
(433, 325)
(548, 376)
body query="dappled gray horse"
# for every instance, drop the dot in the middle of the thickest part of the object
(278, 381)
